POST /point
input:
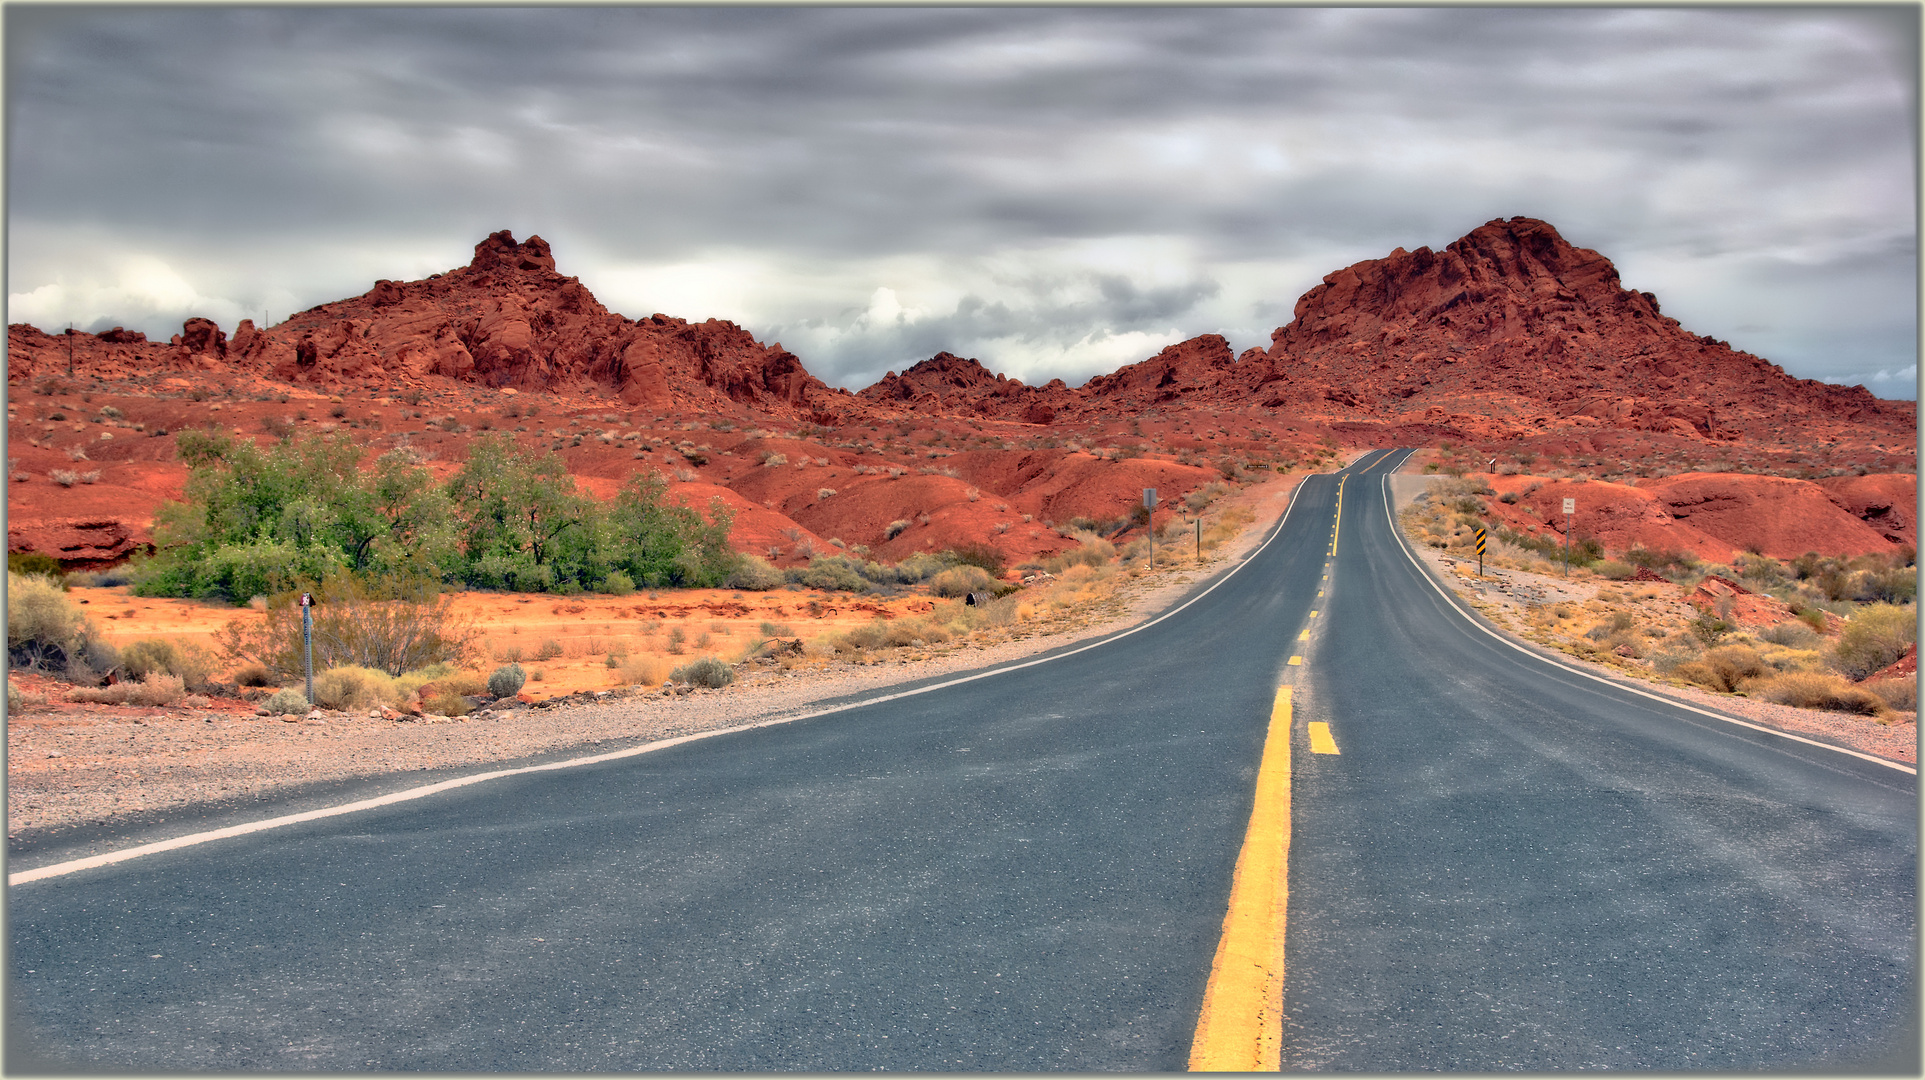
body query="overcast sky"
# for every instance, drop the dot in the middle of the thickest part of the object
(1056, 192)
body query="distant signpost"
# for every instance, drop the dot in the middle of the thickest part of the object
(1570, 507)
(1149, 520)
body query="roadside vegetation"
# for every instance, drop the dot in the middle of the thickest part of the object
(258, 522)
(1842, 620)
(381, 550)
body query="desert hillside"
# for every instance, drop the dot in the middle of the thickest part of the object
(1509, 346)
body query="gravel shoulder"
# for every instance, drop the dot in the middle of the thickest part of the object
(1504, 597)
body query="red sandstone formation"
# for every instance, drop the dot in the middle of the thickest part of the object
(948, 385)
(1514, 327)
(1509, 337)
(1725, 598)
(1885, 501)
(1772, 515)
(507, 319)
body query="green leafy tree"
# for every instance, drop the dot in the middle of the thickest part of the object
(254, 522)
(517, 512)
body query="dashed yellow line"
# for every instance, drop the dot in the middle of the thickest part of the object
(1240, 1028)
(1305, 636)
(1296, 661)
(1320, 740)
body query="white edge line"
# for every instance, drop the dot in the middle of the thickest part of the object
(1554, 662)
(108, 858)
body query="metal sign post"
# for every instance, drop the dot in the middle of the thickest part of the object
(1149, 520)
(1570, 507)
(307, 642)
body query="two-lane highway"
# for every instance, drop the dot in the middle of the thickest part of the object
(1489, 865)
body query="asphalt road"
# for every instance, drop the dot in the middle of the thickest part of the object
(1510, 866)
(1029, 872)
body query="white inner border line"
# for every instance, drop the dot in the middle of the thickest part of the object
(1424, 571)
(107, 858)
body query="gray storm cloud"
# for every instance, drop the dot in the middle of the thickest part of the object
(1055, 191)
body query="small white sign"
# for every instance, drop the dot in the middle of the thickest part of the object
(1570, 506)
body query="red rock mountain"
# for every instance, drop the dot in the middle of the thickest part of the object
(1507, 333)
(507, 319)
(1514, 323)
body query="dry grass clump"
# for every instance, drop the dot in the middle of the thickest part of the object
(1724, 669)
(447, 695)
(194, 664)
(893, 634)
(1818, 690)
(645, 670)
(153, 689)
(1092, 551)
(1898, 693)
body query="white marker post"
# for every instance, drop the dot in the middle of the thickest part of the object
(307, 642)
(1570, 507)
(1149, 519)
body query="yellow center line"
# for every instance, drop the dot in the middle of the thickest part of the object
(1305, 636)
(1240, 1028)
(1296, 661)
(1320, 740)
(1339, 525)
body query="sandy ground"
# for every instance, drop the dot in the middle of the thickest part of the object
(73, 766)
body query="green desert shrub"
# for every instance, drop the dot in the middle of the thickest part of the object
(1874, 639)
(755, 574)
(507, 681)
(44, 629)
(288, 702)
(1792, 635)
(831, 572)
(708, 671)
(961, 581)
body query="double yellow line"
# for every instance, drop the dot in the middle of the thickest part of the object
(1240, 1028)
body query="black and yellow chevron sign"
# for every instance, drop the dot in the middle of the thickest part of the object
(1481, 533)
